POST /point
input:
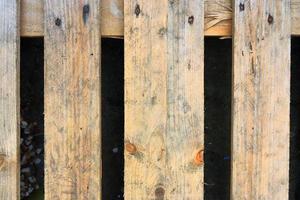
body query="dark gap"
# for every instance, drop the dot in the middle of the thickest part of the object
(32, 118)
(32, 123)
(294, 177)
(217, 118)
(112, 85)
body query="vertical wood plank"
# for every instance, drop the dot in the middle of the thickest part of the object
(164, 97)
(72, 100)
(261, 99)
(9, 100)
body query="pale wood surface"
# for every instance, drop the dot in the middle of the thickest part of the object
(72, 100)
(261, 100)
(164, 98)
(32, 19)
(218, 17)
(9, 100)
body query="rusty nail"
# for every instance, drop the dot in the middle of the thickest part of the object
(270, 19)
(57, 22)
(130, 148)
(198, 160)
(191, 19)
(137, 10)
(242, 7)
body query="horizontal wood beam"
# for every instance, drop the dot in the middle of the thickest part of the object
(218, 15)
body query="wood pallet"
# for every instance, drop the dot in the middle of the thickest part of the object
(164, 94)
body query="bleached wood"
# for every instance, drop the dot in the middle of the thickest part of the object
(261, 100)
(164, 96)
(217, 12)
(72, 100)
(9, 100)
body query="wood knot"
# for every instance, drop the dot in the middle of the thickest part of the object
(159, 193)
(137, 10)
(57, 22)
(270, 19)
(130, 148)
(191, 20)
(199, 158)
(242, 7)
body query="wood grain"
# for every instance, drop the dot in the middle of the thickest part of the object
(72, 100)
(261, 99)
(9, 100)
(218, 15)
(32, 19)
(164, 97)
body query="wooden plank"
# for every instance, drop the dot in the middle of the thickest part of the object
(9, 100)
(261, 99)
(164, 96)
(32, 19)
(218, 15)
(72, 100)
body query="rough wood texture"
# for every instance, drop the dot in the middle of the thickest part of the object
(9, 100)
(32, 18)
(72, 100)
(218, 14)
(164, 97)
(261, 100)
(32, 23)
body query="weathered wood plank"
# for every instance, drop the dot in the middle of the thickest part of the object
(218, 15)
(72, 100)
(261, 99)
(32, 19)
(164, 96)
(9, 100)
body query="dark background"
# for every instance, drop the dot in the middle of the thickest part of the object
(218, 59)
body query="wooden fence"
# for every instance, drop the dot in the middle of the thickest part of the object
(164, 93)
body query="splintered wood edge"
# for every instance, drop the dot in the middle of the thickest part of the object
(218, 15)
